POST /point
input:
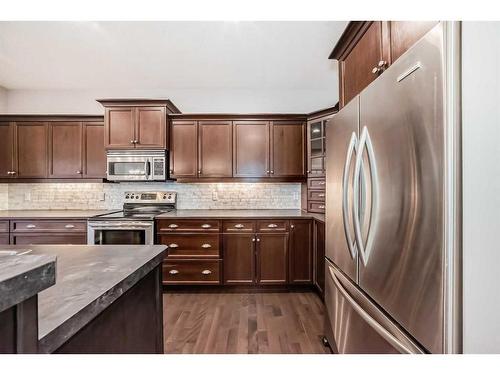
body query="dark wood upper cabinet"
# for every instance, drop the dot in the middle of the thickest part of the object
(150, 127)
(404, 34)
(120, 127)
(94, 154)
(215, 151)
(6, 149)
(251, 149)
(300, 251)
(65, 149)
(287, 149)
(136, 123)
(272, 258)
(367, 48)
(239, 258)
(184, 149)
(31, 149)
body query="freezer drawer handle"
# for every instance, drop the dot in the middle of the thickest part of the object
(353, 143)
(368, 319)
(365, 141)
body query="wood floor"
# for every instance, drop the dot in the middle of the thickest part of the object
(243, 323)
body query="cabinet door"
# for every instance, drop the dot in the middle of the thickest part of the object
(184, 149)
(300, 251)
(251, 149)
(4, 239)
(272, 258)
(150, 127)
(94, 154)
(287, 149)
(119, 127)
(239, 258)
(215, 149)
(405, 34)
(31, 149)
(319, 256)
(357, 66)
(65, 149)
(6, 150)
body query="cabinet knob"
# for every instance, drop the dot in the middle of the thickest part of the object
(272, 226)
(292, 226)
(173, 272)
(136, 141)
(253, 239)
(31, 226)
(199, 171)
(173, 226)
(69, 226)
(322, 183)
(239, 226)
(321, 207)
(382, 64)
(321, 195)
(173, 245)
(132, 141)
(11, 172)
(78, 172)
(258, 239)
(267, 172)
(308, 171)
(206, 272)
(206, 246)
(206, 226)
(272, 172)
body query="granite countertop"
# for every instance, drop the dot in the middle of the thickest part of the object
(88, 280)
(23, 275)
(251, 214)
(51, 214)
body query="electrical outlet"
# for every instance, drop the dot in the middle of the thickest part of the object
(101, 196)
(215, 195)
(27, 197)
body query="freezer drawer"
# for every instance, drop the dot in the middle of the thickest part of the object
(354, 325)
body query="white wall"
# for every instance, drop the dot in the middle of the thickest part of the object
(481, 186)
(3, 100)
(187, 100)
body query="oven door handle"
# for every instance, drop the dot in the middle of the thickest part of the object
(142, 225)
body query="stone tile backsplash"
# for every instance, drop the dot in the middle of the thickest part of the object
(82, 196)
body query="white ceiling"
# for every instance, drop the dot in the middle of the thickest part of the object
(264, 56)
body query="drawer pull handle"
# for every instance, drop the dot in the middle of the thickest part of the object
(173, 226)
(322, 183)
(321, 206)
(69, 226)
(206, 226)
(173, 245)
(206, 246)
(239, 226)
(321, 195)
(206, 272)
(272, 226)
(31, 226)
(173, 272)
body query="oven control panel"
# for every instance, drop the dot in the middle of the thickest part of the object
(151, 197)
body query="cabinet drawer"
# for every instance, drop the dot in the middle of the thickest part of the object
(272, 225)
(191, 272)
(317, 207)
(4, 239)
(4, 226)
(316, 183)
(48, 239)
(188, 225)
(191, 245)
(316, 195)
(48, 226)
(230, 226)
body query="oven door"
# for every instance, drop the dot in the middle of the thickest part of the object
(120, 233)
(129, 168)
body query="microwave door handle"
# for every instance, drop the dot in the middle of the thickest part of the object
(148, 169)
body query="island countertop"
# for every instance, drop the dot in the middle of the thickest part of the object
(88, 280)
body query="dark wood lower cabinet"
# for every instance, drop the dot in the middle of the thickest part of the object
(272, 258)
(4, 239)
(19, 328)
(300, 252)
(189, 272)
(48, 239)
(319, 256)
(239, 258)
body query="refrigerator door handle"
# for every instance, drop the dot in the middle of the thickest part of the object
(365, 142)
(368, 318)
(353, 143)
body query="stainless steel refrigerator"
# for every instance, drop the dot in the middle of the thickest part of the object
(385, 210)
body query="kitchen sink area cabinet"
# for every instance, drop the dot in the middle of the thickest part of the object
(136, 124)
(301, 252)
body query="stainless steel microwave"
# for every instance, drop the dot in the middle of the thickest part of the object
(136, 165)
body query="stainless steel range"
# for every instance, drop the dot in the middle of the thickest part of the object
(134, 225)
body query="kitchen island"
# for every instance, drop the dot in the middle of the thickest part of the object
(106, 299)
